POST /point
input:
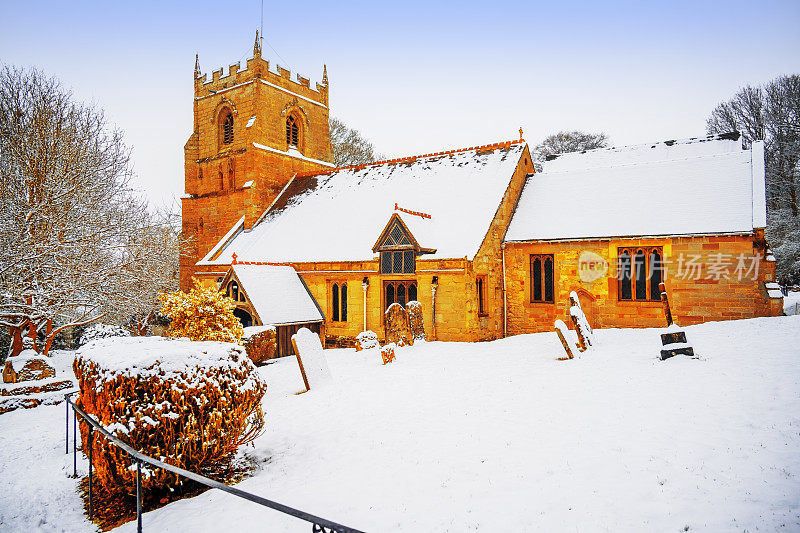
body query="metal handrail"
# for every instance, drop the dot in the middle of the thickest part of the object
(318, 524)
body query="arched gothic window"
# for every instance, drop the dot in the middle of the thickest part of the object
(548, 279)
(389, 295)
(343, 303)
(624, 274)
(400, 292)
(339, 302)
(335, 302)
(655, 275)
(292, 131)
(640, 271)
(542, 281)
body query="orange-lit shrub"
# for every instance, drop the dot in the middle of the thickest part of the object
(190, 404)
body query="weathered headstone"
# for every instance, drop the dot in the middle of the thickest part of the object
(387, 353)
(582, 327)
(415, 320)
(366, 340)
(673, 342)
(665, 303)
(395, 322)
(311, 359)
(563, 333)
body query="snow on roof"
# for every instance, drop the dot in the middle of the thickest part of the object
(697, 186)
(337, 215)
(277, 294)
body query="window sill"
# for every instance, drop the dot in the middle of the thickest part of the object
(620, 300)
(541, 302)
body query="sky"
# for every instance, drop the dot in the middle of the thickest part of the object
(413, 77)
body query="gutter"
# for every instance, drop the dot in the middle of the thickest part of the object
(505, 293)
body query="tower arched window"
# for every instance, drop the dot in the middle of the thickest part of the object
(227, 127)
(292, 131)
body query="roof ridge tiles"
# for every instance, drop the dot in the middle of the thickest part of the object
(493, 146)
(410, 212)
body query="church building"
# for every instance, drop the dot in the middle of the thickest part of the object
(489, 246)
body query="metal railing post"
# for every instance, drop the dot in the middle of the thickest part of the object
(74, 443)
(138, 496)
(91, 430)
(66, 436)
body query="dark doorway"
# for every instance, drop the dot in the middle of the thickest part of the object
(244, 317)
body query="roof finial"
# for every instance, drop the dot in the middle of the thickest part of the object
(197, 65)
(233, 259)
(256, 47)
(520, 134)
(325, 74)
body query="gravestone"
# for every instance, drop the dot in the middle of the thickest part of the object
(582, 327)
(387, 353)
(563, 336)
(366, 340)
(415, 320)
(673, 342)
(395, 322)
(665, 303)
(311, 358)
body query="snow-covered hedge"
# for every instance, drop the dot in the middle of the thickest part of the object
(190, 404)
(102, 331)
(261, 343)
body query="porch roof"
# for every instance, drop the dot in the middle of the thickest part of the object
(277, 294)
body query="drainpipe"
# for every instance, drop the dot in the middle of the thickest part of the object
(505, 297)
(434, 286)
(364, 287)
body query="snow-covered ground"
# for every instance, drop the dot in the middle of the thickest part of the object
(493, 436)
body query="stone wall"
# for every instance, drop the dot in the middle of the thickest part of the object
(692, 300)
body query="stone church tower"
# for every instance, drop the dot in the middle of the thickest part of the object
(253, 130)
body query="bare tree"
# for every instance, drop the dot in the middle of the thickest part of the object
(349, 147)
(772, 113)
(76, 243)
(568, 141)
